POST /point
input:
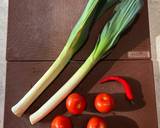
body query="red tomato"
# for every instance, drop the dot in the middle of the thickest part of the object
(96, 122)
(61, 122)
(75, 103)
(104, 102)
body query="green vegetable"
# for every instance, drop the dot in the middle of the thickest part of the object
(124, 15)
(76, 39)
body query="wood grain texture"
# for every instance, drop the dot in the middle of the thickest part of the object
(22, 75)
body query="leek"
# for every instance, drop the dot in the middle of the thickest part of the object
(76, 39)
(125, 13)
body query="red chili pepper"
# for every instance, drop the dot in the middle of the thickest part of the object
(124, 83)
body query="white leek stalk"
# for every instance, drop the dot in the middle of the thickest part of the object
(125, 13)
(63, 92)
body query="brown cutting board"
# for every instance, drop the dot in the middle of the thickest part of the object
(37, 32)
(22, 75)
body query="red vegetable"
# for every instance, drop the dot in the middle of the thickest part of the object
(96, 122)
(75, 103)
(61, 122)
(104, 102)
(124, 83)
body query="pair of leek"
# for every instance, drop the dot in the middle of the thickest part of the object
(124, 14)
